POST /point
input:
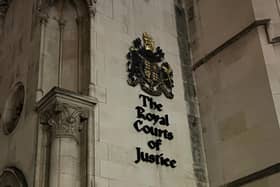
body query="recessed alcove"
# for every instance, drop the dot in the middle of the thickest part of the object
(66, 44)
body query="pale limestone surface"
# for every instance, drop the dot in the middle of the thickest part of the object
(270, 52)
(112, 146)
(218, 20)
(238, 91)
(118, 23)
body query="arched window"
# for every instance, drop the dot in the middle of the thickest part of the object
(66, 46)
(12, 177)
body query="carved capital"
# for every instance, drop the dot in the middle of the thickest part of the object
(43, 17)
(92, 7)
(63, 112)
(64, 120)
(92, 10)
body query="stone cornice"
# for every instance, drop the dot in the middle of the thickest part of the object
(264, 22)
(63, 94)
(91, 5)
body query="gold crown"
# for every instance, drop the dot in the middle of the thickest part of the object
(148, 42)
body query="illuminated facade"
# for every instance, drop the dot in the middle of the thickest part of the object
(141, 93)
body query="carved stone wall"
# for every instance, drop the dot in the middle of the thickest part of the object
(65, 45)
(62, 139)
(74, 45)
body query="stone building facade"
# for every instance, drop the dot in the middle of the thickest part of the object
(235, 48)
(141, 93)
(78, 110)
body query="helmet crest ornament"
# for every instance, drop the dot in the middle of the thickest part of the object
(147, 67)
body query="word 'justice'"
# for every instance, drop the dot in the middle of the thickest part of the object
(155, 125)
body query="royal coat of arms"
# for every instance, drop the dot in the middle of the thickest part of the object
(146, 66)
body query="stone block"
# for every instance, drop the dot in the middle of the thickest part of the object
(106, 25)
(140, 175)
(232, 126)
(66, 180)
(69, 148)
(101, 151)
(169, 23)
(119, 154)
(169, 43)
(101, 182)
(112, 170)
(100, 93)
(108, 135)
(121, 10)
(105, 7)
(97, 168)
(118, 183)
(69, 165)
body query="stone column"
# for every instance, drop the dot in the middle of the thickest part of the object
(43, 24)
(65, 125)
(64, 115)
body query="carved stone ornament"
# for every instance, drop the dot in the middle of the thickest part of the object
(146, 66)
(4, 6)
(64, 120)
(12, 177)
(91, 4)
(92, 7)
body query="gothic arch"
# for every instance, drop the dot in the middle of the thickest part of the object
(78, 5)
(44, 5)
(65, 41)
(12, 176)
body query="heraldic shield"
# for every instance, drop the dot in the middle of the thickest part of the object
(146, 66)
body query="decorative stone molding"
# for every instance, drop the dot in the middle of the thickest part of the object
(91, 4)
(64, 112)
(64, 120)
(92, 7)
(42, 17)
(265, 23)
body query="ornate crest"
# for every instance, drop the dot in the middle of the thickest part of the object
(146, 66)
